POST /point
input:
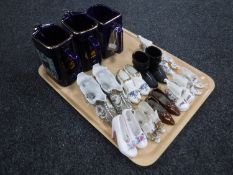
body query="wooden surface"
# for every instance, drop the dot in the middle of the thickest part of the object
(153, 151)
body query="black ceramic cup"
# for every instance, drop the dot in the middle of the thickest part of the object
(85, 37)
(110, 28)
(54, 46)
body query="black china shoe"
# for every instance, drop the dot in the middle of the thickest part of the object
(141, 62)
(155, 56)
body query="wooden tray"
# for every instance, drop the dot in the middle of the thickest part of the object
(153, 151)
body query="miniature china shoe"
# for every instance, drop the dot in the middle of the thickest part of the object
(137, 79)
(134, 129)
(165, 101)
(178, 95)
(170, 61)
(110, 86)
(124, 142)
(184, 82)
(95, 96)
(128, 85)
(147, 126)
(141, 62)
(145, 108)
(166, 68)
(192, 77)
(164, 116)
(144, 43)
(179, 91)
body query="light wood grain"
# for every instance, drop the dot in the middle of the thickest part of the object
(153, 151)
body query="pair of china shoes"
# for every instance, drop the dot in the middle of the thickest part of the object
(183, 88)
(128, 133)
(103, 92)
(149, 121)
(133, 84)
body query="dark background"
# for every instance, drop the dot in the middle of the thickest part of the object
(40, 133)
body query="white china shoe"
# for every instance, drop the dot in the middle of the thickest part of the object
(147, 126)
(111, 87)
(184, 82)
(128, 85)
(181, 96)
(120, 133)
(193, 78)
(140, 84)
(146, 109)
(166, 68)
(134, 129)
(95, 96)
(170, 61)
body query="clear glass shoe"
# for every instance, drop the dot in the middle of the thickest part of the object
(111, 87)
(95, 96)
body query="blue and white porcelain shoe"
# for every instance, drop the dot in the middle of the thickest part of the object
(180, 95)
(129, 86)
(196, 81)
(140, 84)
(111, 87)
(95, 96)
(184, 82)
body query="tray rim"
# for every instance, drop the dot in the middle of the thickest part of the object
(169, 138)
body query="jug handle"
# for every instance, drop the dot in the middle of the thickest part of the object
(74, 57)
(96, 45)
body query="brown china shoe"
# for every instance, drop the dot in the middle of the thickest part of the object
(165, 101)
(164, 116)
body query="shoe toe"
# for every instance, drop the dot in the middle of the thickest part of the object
(142, 144)
(145, 92)
(131, 152)
(183, 107)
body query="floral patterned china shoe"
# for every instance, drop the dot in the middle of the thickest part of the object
(111, 87)
(124, 142)
(95, 96)
(149, 113)
(134, 129)
(147, 126)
